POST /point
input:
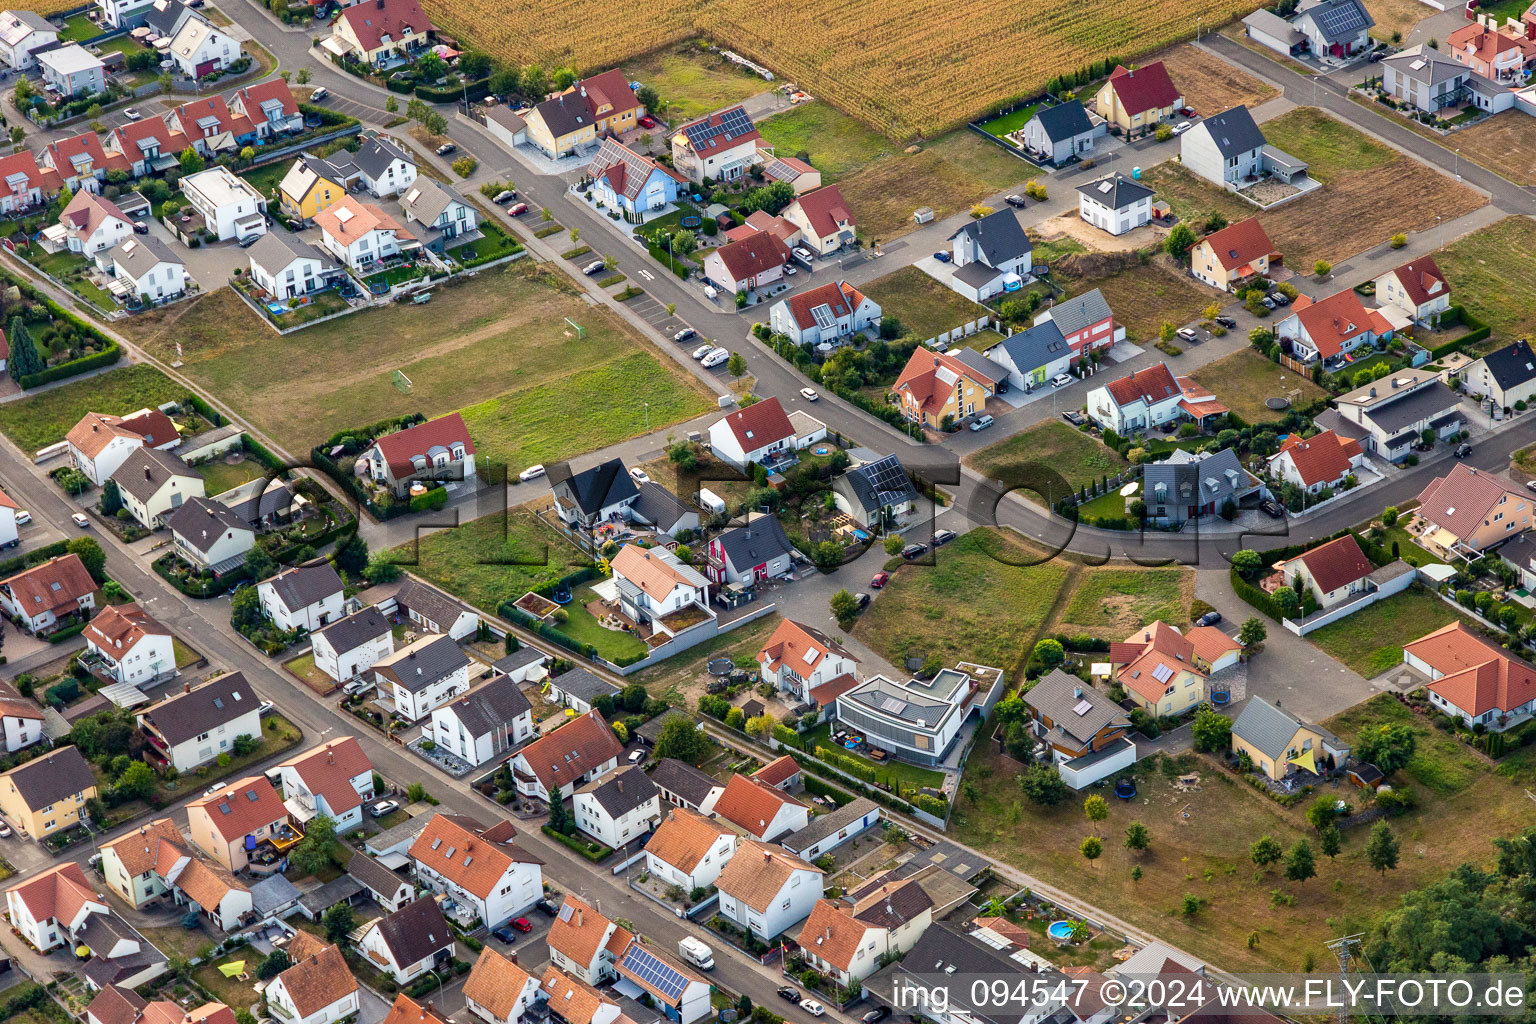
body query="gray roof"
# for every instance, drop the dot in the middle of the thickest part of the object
(580, 683)
(274, 250)
(163, 17)
(1408, 409)
(658, 506)
(1271, 24)
(1421, 66)
(338, 890)
(1115, 191)
(981, 364)
(565, 113)
(424, 662)
(977, 274)
(1512, 365)
(620, 792)
(824, 825)
(377, 153)
(48, 779)
(1072, 315)
(1035, 347)
(1064, 121)
(379, 879)
(141, 254)
(1233, 131)
(1058, 697)
(188, 715)
(520, 658)
(355, 630)
(594, 489)
(213, 435)
(999, 236)
(1270, 728)
(201, 522)
(429, 603)
(147, 469)
(881, 483)
(426, 200)
(34, 21)
(273, 894)
(650, 731)
(940, 949)
(492, 706)
(757, 542)
(256, 499)
(414, 932)
(304, 585)
(102, 931)
(877, 693)
(396, 835)
(1196, 480)
(1336, 20)
(682, 778)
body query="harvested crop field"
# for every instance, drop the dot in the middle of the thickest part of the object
(1208, 83)
(905, 68)
(1504, 143)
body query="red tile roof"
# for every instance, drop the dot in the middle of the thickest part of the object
(1422, 279)
(778, 771)
(119, 627)
(684, 838)
(126, 138)
(1146, 88)
(824, 209)
(801, 647)
(329, 768)
(1333, 321)
(19, 163)
(1238, 244)
(56, 893)
(188, 114)
(611, 89)
(929, 378)
(95, 431)
(1485, 44)
(372, 20)
(560, 758)
(760, 424)
(57, 586)
(59, 153)
(832, 689)
(445, 431)
(1157, 644)
(360, 219)
(252, 97)
(751, 805)
(1336, 564)
(467, 858)
(1322, 459)
(842, 297)
(755, 254)
(716, 137)
(1199, 402)
(1477, 676)
(1463, 499)
(242, 807)
(1152, 385)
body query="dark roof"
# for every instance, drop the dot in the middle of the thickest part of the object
(580, 683)
(273, 894)
(941, 950)
(257, 499)
(1072, 315)
(376, 154)
(659, 506)
(429, 603)
(424, 662)
(489, 707)
(1190, 482)
(761, 539)
(998, 235)
(1270, 728)
(1038, 346)
(276, 249)
(622, 791)
(1115, 191)
(414, 932)
(1408, 409)
(520, 658)
(378, 878)
(1512, 365)
(824, 825)
(651, 730)
(355, 630)
(147, 469)
(48, 779)
(201, 522)
(1337, 20)
(880, 483)
(1058, 696)
(1064, 121)
(682, 778)
(594, 489)
(888, 901)
(188, 715)
(1234, 131)
(305, 585)
(337, 890)
(565, 113)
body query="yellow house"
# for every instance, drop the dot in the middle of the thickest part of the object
(935, 387)
(1234, 255)
(573, 120)
(1276, 741)
(310, 186)
(1165, 672)
(48, 794)
(1134, 101)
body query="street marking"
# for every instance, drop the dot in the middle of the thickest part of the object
(647, 275)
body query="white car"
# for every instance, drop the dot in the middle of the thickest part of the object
(812, 1007)
(636, 756)
(531, 473)
(78, 518)
(23, 517)
(5, 831)
(1188, 334)
(790, 271)
(214, 788)
(356, 687)
(1182, 127)
(702, 351)
(640, 475)
(595, 267)
(265, 708)
(716, 357)
(809, 394)
(132, 113)
(1061, 380)
(804, 253)
(319, 94)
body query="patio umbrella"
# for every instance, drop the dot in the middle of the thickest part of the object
(232, 969)
(1304, 760)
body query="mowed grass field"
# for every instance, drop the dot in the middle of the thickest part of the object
(692, 81)
(1371, 640)
(496, 347)
(1051, 446)
(1114, 603)
(1378, 195)
(1208, 83)
(905, 68)
(1490, 274)
(924, 307)
(44, 418)
(1244, 379)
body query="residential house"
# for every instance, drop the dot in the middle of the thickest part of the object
(48, 794)
(1473, 679)
(200, 48)
(614, 106)
(381, 166)
(849, 938)
(830, 314)
(760, 550)
(1424, 81)
(1388, 417)
(1059, 134)
(1331, 328)
(434, 611)
(1500, 53)
(1142, 400)
(753, 262)
(1234, 256)
(208, 536)
(569, 1000)
(759, 810)
(9, 532)
(22, 32)
(406, 1010)
(599, 494)
(524, 665)
(759, 433)
(1164, 672)
(229, 205)
(380, 32)
(155, 483)
(351, 646)
(1032, 356)
(147, 270)
(1322, 460)
(1333, 573)
(141, 865)
(115, 1005)
(269, 106)
(1226, 149)
(437, 215)
(439, 450)
(216, 894)
(1418, 290)
(1085, 322)
(617, 808)
(78, 162)
(1115, 203)
(195, 726)
(72, 70)
(657, 589)
(918, 720)
(688, 849)
(423, 676)
(287, 267)
(1188, 486)
(765, 889)
(129, 645)
(204, 125)
(875, 494)
(579, 689)
(1506, 376)
(334, 779)
(1334, 28)
(572, 122)
(310, 186)
(123, 14)
(663, 511)
(939, 390)
(823, 219)
(92, 226)
(318, 989)
(22, 184)
(52, 908)
(584, 944)
(388, 889)
(682, 785)
(826, 832)
(408, 942)
(722, 146)
(797, 659)
(1087, 733)
(40, 597)
(146, 147)
(21, 724)
(1469, 512)
(497, 990)
(1134, 101)
(989, 254)
(762, 220)
(360, 235)
(679, 993)
(304, 597)
(801, 175)
(633, 183)
(479, 868)
(558, 762)
(485, 723)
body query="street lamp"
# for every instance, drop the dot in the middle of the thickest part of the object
(1456, 165)
(439, 984)
(647, 417)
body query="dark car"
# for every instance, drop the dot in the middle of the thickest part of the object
(789, 992)
(1209, 619)
(880, 579)
(911, 551)
(447, 148)
(943, 537)
(1463, 450)
(943, 257)
(1074, 417)
(876, 1015)
(1272, 509)
(686, 334)
(1014, 200)
(1281, 299)
(504, 934)
(547, 907)
(861, 600)
(1226, 322)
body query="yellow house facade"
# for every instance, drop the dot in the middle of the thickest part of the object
(1135, 100)
(1275, 740)
(308, 187)
(48, 794)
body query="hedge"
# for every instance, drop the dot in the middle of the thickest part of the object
(28, 996)
(58, 636)
(816, 787)
(516, 615)
(473, 90)
(403, 86)
(106, 357)
(205, 410)
(12, 566)
(602, 854)
(210, 588)
(1479, 331)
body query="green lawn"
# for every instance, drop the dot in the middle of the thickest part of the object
(1330, 147)
(1048, 450)
(1048, 251)
(891, 770)
(493, 243)
(1244, 379)
(78, 27)
(1001, 126)
(266, 177)
(43, 418)
(320, 304)
(219, 476)
(836, 143)
(1490, 273)
(1408, 548)
(611, 644)
(230, 991)
(402, 274)
(984, 600)
(184, 655)
(924, 307)
(1371, 640)
(692, 81)
(1117, 601)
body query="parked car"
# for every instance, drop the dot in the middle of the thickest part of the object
(1226, 322)
(1188, 334)
(1530, 485)
(1463, 450)
(789, 992)
(214, 788)
(647, 121)
(504, 934)
(716, 357)
(447, 148)
(522, 924)
(1272, 509)
(517, 209)
(265, 708)
(1182, 127)
(812, 1007)
(1281, 299)
(132, 113)
(1268, 302)
(531, 473)
(356, 687)
(943, 537)
(982, 422)
(861, 600)
(640, 475)
(686, 334)
(1015, 200)
(506, 195)
(809, 394)
(595, 267)
(384, 807)
(23, 517)
(943, 257)
(318, 95)
(702, 351)
(801, 252)
(876, 1015)
(911, 551)
(5, 831)
(245, 242)
(1074, 417)
(78, 518)
(879, 580)
(637, 755)
(1209, 619)
(140, 228)
(1061, 380)
(547, 907)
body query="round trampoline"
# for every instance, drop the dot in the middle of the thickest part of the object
(1277, 404)
(720, 667)
(1125, 788)
(1221, 698)
(691, 221)
(562, 595)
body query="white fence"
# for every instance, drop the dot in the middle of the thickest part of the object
(965, 330)
(1318, 620)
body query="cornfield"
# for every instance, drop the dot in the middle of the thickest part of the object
(43, 7)
(908, 68)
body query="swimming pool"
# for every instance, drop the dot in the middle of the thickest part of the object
(1061, 931)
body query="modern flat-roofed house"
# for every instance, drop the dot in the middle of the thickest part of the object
(1233, 256)
(765, 889)
(1134, 101)
(71, 69)
(231, 823)
(39, 597)
(423, 675)
(439, 450)
(798, 658)
(618, 807)
(351, 646)
(1388, 417)
(722, 146)
(689, 850)
(484, 723)
(22, 32)
(48, 793)
(195, 726)
(1473, 679)
(920, 719)
(555, 764)
(231, 206)
(305, 597)
(334, 779)
(1086, 731)
(130, 645)
(1334, 28)
(497, 990)
(480, 868)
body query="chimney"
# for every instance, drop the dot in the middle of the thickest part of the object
(578, 917)
(767, 856)
(330, 756)
(1373, 392)
(147, 474)
(1077, 691)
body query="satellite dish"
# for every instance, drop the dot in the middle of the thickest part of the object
(1129, 489)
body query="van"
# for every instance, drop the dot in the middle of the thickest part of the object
(715, 357)
(982, 422)
(696, 953)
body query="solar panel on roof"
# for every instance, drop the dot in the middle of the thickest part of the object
(733, 123)
(822, 314)
(565, 912)
(893, 705)
(1162, 673)
(646, 965)
(1082, 707)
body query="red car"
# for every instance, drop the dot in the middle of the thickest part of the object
(522, 925)
(647, 121)
(517, 209)
(880, 580)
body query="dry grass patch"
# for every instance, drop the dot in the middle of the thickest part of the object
(1144, 291)
(1076, 456)
(1490, 274)
(1114, 603)
(1244, 379)
(1210, 84)
(1504, 143)
(1396, 16)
